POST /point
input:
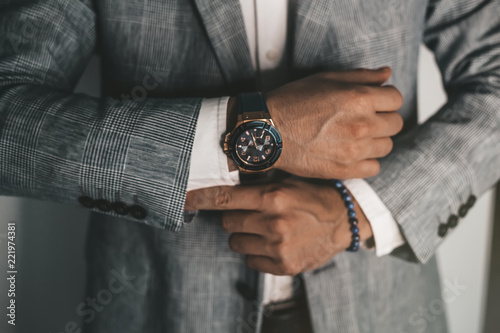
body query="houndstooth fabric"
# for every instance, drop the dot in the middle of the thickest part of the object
(159, 59)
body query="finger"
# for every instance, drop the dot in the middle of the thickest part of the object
(361, 76)
(385, 98)
(225, 198)
(379, 147)
(387, 124)
(250, 222)
(249, 244)
(266, 264)
(362, 169)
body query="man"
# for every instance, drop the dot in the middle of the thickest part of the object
(130, 159)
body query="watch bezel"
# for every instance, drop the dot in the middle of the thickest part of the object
(258, 124)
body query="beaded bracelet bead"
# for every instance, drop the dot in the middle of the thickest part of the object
(353, 221)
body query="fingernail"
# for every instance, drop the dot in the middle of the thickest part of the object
(382, 68)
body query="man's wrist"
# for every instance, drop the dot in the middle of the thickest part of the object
(365, 229)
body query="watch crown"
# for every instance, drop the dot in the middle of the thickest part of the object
(227, 139)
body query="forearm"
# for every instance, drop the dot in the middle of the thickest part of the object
(129, 158)
(60, 146)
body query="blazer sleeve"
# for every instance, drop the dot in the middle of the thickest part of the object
(435, 172)
(123, 158)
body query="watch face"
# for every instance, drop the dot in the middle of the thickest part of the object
(256, 145)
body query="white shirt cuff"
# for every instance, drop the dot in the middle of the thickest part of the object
(385, 229)
(208, 162)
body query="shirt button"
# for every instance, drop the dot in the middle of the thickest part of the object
(272, 55)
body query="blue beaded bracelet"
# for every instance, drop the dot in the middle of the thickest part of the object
(353, 221)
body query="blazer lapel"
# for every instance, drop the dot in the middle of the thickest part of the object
(225, 28)
(311, 25)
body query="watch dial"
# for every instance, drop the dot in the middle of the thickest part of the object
(255, 146)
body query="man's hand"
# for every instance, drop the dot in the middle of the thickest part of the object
(284, 228)
(335, 124)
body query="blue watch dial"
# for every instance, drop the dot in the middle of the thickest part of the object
(255, 145)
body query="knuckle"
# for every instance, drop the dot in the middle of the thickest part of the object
(342, 171)
(222, 198)
(282, 251)
(359, 96)
(359, 129)
(277, 198)
(279, 227)
(225, 224)
(351, 152)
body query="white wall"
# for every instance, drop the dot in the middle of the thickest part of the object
(51, 240)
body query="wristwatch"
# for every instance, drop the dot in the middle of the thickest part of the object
(254, 144)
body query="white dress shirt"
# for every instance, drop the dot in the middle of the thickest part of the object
(209, 163)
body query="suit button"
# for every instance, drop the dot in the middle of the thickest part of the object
(462, 211)
(471, 201)
(442, 230)
(138, 212)
(452, 221)
(103, 205)
(120, 208)
(86, 201)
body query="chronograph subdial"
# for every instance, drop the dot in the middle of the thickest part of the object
(255, 146)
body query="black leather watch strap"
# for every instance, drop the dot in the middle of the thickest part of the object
(251, 102)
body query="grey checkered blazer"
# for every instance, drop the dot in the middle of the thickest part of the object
(126, 155)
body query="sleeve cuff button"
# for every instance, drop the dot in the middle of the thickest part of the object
(120, 208)
(138, 212)
(442, 230)
(86, 201)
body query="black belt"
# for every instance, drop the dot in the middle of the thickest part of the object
(290, 316)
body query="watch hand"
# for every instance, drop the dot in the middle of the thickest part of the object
(259, 147)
